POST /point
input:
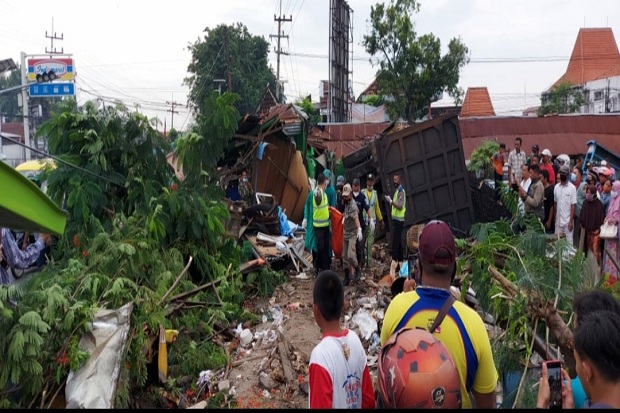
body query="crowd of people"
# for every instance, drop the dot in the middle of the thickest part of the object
(359, 212)
(571, 201)
(436, 353)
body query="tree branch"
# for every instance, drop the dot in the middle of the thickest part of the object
(176, 282)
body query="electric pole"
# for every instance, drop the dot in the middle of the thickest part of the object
(173, 105)
(25, 105)
(228, 68)
(53, 37)
(280, 19)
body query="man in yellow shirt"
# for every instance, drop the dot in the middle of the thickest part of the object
(461, 331)
(369, 234)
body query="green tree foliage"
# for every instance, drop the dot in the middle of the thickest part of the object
(374, 100)
(412, 70)
(8, 101)
(129, 235)
(249, 67)
(480, 158)
(543, 276)
(306, 105)
(217, 121)
(565, 98)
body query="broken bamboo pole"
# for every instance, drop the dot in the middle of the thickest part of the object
(176, 282)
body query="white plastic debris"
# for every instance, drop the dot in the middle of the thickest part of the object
(366, 323)
(245, 338)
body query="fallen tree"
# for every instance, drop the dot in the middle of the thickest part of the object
(527, 283)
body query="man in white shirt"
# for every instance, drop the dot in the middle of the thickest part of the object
(516, 159)
(565, 196)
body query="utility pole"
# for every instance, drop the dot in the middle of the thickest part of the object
(278, 50)
(53, 37)
(25, 105)
(173, 105)
(228, 68)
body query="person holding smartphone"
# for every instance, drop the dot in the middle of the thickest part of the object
(597, 361)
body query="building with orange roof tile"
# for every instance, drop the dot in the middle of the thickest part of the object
(477, 103)
(594, 67)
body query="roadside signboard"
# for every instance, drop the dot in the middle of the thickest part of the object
(52, 89)
(62, 67)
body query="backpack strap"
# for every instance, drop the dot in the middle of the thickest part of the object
(447, 305)
(440, 315)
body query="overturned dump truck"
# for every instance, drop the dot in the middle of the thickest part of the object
(430, 160)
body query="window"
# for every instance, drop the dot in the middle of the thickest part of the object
(598, 95)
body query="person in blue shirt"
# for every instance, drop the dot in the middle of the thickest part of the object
(13, 257)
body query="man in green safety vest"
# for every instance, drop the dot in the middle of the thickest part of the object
(398, 220)
(369, 235)
(321, 222)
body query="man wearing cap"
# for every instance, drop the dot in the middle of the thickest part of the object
(339, 185)
(352, 235)
(399, 208)
(546, 165)
(462, 330)
(565, 198)
(330, 191)
(369, 234)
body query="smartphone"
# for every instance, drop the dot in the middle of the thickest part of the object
(554, 375)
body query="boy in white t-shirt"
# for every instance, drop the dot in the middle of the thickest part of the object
(338, 374)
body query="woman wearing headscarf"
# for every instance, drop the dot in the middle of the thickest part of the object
(612, 251)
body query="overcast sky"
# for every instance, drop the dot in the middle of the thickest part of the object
(136, 50)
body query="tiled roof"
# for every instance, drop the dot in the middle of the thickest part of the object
(477, 103)
(267, 102)
(560, 134)
(595, 56)
(344, 138)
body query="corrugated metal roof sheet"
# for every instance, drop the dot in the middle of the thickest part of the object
(560, 134)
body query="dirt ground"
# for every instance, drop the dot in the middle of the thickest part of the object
(272, 372)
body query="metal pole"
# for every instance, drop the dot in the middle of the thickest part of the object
(25, 106)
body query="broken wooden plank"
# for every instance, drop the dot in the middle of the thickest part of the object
(286, 362)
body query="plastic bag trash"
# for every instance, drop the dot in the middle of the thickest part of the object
(375, 343)
(280, 246)
(276, 313)
(245, 337)
(93, 385)
(205, 378)
(366, 323)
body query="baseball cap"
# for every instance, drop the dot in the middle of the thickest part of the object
(546, 152)
(605, 171)
(535, 147)
(327, 173)
(370, 177)
(346, 190)
(435, 236)
(564, 169)
(340, 180)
